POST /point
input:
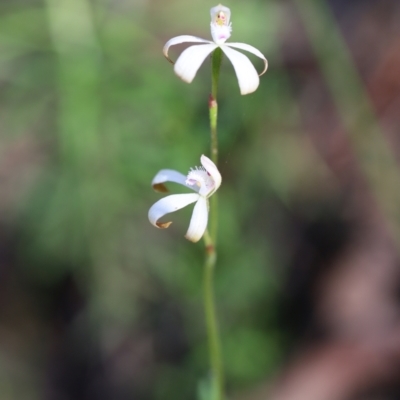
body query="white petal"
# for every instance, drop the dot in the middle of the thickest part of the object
(190, 60)
(212, 169)
(253, 50)
(168, 205)
(198, 223)
(181, 39)
(245, 72)
(167, 175)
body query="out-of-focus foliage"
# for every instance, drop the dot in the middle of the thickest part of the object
(96, 303)
(90, 111)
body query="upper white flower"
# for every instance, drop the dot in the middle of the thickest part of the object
(203, 180)
(190, 60)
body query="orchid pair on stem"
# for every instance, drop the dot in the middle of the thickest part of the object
(205, 180)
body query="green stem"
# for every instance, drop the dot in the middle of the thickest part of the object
(211, 321)
(212, 103)
(213, 109)
(210, 240)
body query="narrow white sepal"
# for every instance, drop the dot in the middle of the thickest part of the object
(181, 39)
(253, 50)
(198, 222)
(169, 204)
(191, 59)
(246, 74)
(169, 175)
(212, 169)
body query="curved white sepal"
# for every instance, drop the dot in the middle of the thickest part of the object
(245, 72)
(212, 169)
(168, 175)
(181, 39)
(253, 50)
(190, 60)
(168, 205)
(198, 222)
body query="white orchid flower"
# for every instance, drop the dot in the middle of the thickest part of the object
(203, 180)
(190, 60)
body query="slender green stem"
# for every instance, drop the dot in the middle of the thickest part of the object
(211, 321)
(213, 109)
(212, 103)
(210, 240)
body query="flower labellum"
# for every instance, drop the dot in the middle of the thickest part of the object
(190, 60)
(204, 181)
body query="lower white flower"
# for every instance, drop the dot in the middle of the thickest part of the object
(190, 60)
(203, 180)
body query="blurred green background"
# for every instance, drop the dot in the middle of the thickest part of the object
(98, 304)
